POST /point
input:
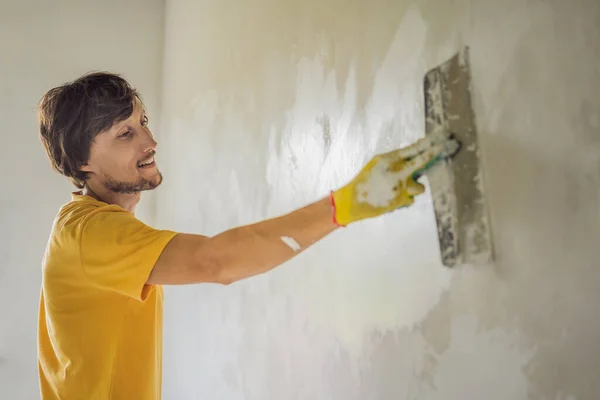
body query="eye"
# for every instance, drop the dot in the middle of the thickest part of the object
(125, 134)
(144, 120)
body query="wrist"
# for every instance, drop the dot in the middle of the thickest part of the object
(335, 207)
(333, 212)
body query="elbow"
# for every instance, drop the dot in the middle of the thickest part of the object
(224, 271)
(219, 257)
(212, 268)
(223, 275)
(225, 281)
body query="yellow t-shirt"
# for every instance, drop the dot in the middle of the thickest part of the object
(100, 324)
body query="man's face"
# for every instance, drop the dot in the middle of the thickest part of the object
(122, 158)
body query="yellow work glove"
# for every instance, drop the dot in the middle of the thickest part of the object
(389, 180)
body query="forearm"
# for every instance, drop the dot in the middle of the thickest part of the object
(257, 248)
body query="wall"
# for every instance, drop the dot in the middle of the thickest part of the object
(268, 105)
(44, 44)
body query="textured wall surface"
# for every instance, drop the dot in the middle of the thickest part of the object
(267, 105)
(270, 104)
(44, 44)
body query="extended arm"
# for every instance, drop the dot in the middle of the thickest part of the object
(243, 251)
(386, 183)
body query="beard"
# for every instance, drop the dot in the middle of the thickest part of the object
(129, 187)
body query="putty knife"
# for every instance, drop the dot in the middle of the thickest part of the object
(456, 183)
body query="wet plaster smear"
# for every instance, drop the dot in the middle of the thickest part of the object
(269, 105)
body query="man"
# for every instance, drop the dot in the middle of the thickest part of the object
(100, 315)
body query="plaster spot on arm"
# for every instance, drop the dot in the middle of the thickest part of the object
(291, 243)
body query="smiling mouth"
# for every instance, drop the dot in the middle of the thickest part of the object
(148, 163)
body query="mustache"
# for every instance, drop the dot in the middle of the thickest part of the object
(149, 156)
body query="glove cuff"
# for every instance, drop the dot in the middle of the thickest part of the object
(333, 210)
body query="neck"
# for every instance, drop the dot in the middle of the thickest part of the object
(123, 200)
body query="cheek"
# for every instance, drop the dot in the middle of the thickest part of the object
(118, 162)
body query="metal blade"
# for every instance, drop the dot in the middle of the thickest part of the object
(457, 183)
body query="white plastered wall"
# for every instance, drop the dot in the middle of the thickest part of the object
(268, 105)
(44, 44)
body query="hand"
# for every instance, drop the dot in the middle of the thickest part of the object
(389, 180)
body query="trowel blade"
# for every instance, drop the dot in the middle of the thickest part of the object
(456, 184)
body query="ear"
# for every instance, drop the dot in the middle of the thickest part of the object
(85, 168)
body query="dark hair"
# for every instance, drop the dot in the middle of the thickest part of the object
(71, 115)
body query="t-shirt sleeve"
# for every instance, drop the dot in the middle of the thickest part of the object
(118, 251)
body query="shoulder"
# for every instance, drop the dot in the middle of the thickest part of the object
(62, 256)
(95, 228)
(74, 215)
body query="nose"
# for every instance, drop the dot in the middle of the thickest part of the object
(149, 142)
